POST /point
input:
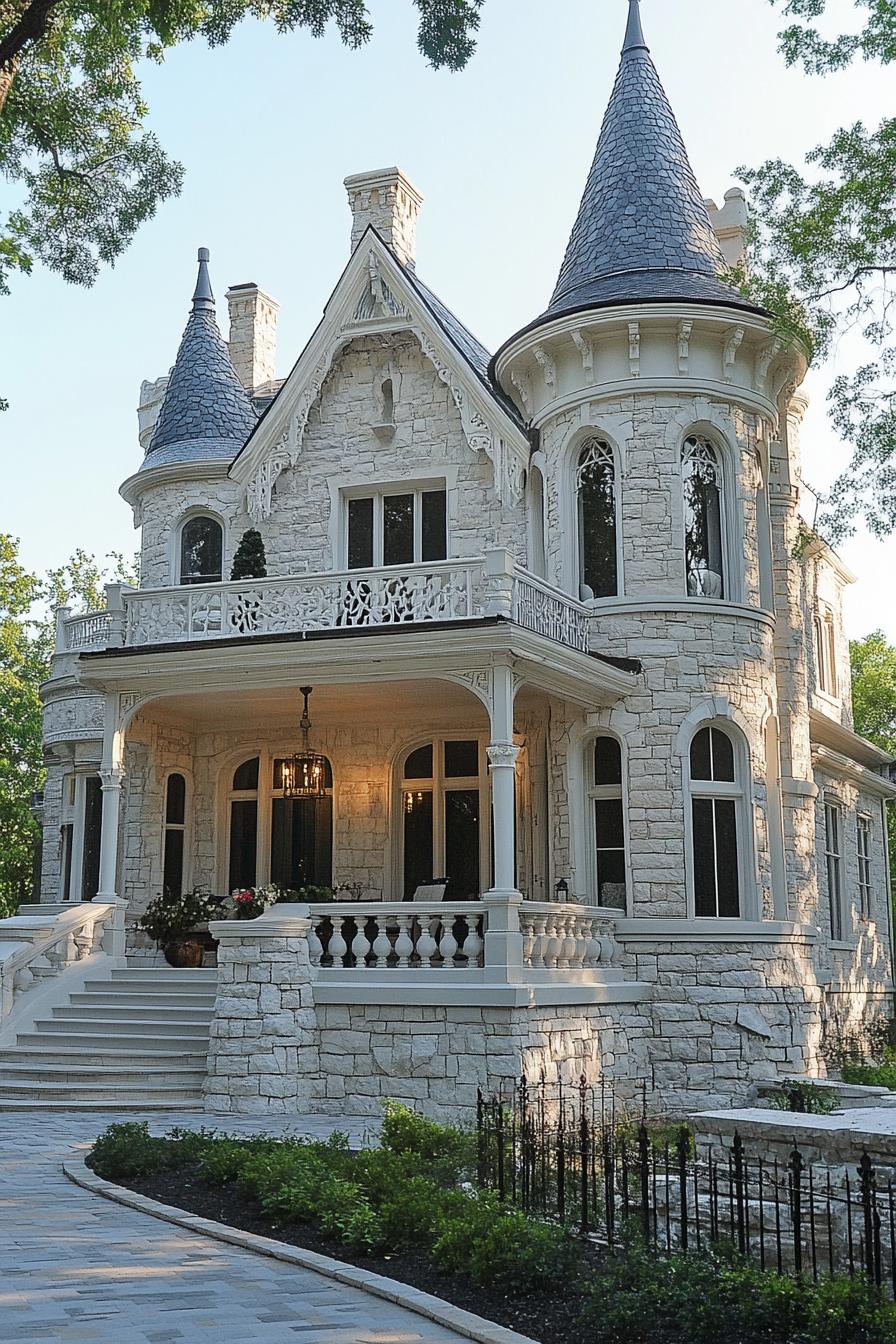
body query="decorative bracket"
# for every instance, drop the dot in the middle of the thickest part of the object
(585, 347)
(634, 349)
(764, 362)
(548, 367)
(733, 341)
(684, 346)
(524, 388)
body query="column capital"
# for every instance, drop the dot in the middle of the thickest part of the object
(112, 779)
(502, 755)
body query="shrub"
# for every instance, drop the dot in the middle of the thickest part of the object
(449, 1154)
(505, 1249)
(126, 1150)
(221, 1162)
(870, 1075)
(344, 1212)
(414, 1215)
(803, 1098)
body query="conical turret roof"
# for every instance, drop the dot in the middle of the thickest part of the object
(642, 232)
(206, 413)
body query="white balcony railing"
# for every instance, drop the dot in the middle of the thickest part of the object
(448, 590)
(374, 937)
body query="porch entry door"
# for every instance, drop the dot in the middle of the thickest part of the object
(445, 831)
(285, 841)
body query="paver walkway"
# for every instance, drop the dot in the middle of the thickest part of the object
(77, 1267)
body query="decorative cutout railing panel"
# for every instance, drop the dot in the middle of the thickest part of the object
(549, 612)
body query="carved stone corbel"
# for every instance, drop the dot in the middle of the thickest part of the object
(684, 346)
(548, 367)
(634, 349)
(585, 347)
(733, 341)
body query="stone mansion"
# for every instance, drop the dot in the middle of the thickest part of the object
(576, 673)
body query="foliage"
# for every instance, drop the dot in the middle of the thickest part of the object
(128, 1150)
(309, 895)
(503, 1249)
(802, 1098)
(173, 914)
(441, 1149)
(249, 902)
(26, 645)
(250, 561)
(870, 1075)
(826, 233)
(874, 706)
(641, 1298)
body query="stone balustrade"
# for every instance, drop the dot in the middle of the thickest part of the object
(35, 948)
(371, 937)
(564, 936)
(444, 591)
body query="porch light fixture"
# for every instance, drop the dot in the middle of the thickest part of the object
(561, 890)
(305, 773)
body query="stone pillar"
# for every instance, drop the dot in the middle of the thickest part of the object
(112, 784)
(264, 1049)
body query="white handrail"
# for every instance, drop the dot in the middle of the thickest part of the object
(31, 952)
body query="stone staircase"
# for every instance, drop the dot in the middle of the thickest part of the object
(137, 1041)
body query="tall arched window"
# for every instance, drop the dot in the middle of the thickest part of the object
(201, 550)
(717, 805)
(174, 840)
(286, 841)
(702, 484)
(444, 818)
(605, 792)
(596, 494)
(537, 561)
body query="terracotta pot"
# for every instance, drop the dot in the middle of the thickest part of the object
(184, 952)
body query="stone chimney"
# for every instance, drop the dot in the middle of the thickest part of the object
(730, 225)
(253, 335)
(388, 201)
(152, 394)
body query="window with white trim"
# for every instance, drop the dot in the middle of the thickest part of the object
(833, 854)
(175, 835)
(717, 806)
(396, 527)
(444, 817)
(704, 517)
(272, 838)
(596, 499)
(864, 834)
(608, 821)
(201, 550)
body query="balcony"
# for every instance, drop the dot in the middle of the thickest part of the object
(452, 590)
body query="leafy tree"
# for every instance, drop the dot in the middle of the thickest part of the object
(250, 561)
(72, 115)
(874, 705)
(826, 233)
(26, 646)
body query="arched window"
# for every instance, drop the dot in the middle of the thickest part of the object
(605, 792)
(596, 494)
(825, 652)
(300, 850)
(201, 550)
(175, 836)
(444, 819)
(537, 560)
(702, 484)
(717, 805)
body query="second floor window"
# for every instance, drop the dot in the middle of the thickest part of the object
(833, 853)
(201, 551)
(826, 652)
(396, 529)
(863, 847)
(704, 543)
(596, 493)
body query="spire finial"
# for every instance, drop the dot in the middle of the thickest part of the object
(203, 298)
(634, 33)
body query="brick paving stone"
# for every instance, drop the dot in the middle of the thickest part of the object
(79, 1269)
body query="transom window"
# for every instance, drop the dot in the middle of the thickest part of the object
(716, 807)
(201, 550)
(702, 485)
(863, 848)
(285, 841)
(596, 495)
(400, 528)
(605, 793)
(833, 853)
(444, 819)
(174, 840)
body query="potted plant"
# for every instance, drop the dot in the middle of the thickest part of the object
(250, 902)
(173, 920)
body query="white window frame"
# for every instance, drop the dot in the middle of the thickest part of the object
(827, 680)
(599, 793)
(177, 541)
(864, 861)
(609, 457)
(264, 797)
(833, 855)
(730, 591)
(438, 785)
(740, 790)
(186, 828)
(379, 494)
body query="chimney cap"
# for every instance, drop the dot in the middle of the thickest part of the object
(383, 177)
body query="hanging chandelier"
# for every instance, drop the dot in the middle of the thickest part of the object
(305, 773)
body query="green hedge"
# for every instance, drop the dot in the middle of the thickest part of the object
(870, 1075)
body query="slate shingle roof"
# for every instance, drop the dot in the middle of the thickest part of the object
(206, 412)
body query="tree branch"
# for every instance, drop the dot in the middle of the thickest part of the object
(847, 284)
(31, 27)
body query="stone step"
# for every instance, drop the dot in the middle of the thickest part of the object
(68, 1103)
(165, 975)
(108, 1095)
(113, 1025)
(51, 1051)
(136, 1012)
(91, 1042)
(131, 1074)
(127, 997)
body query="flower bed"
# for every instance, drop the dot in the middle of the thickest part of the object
(407, 1210)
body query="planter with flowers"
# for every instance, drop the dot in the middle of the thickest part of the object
(249, 902)
(175, 923)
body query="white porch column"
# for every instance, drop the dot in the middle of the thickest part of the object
(502, 759)
(503, 940)
(112, 784)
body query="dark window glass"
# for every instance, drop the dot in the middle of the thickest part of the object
(278, 773)
(461, 760)
(201, 551)
(716, 881)
(360, 533)
(597, 523)
(419, 763)
(704, 858)
(243, 843)
(398, 530)
(302, 842)
(701, 755)
(93, 829)
(434, 525)
(703, 521)
(726, 857)
(610, 847)
(417, 841)
(67, 836)
(173, 867)
(608, 819)
(176, 800)
(712, 756)
(462, 844)
(246, 776)
(607, 761)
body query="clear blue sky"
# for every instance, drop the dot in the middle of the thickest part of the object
(269, 126)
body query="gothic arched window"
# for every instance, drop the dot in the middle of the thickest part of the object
(703, 485)
(717, 821)
(596, 495)
(201, 550)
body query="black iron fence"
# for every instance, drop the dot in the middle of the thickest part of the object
(570, 1154)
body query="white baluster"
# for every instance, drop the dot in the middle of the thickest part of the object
(338, 947)
(527, 928)
(24, 979)
(315, 946)
(382, 948)
(553, 942)
(570, 951)
(404, 945)
(472, 948)
(361, 944)
(427, 946)
(592, 944)
(448, 942)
